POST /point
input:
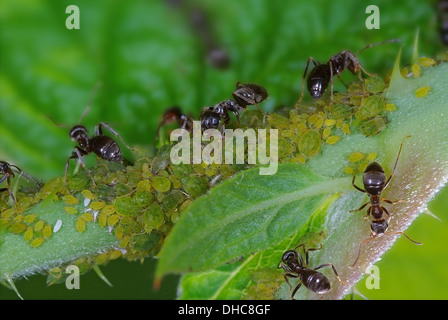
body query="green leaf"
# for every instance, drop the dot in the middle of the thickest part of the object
(422, 170)
(246, 214)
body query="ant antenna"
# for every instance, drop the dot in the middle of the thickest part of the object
(26, 175)
(373, 237)
(97, 85)
(378, 44)
(92, 94)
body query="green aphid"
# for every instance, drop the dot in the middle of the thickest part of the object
(309, 144)
(375, 84)
(47, 232)
(371, 106)
(162, 159)
(153, 217)
(194, 186)
(78, 182)
(422, 92)
(278, 121)
(125, 206)
(17, 228)
(54, 276)
(173, 199)
(161, 184)
(37, 242)
(373, 126)
(251, 119)
(355, 157)
(142, 198)
(113, 219)
(97, 205)
(29, 234)
(341, 111)
(71, 210)
(147, 241)
(53, 186)
(70, 200)
(30, 218)
(80, 225)
(182, 170)
(285, 148)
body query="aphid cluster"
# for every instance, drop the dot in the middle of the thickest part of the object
(140, 204)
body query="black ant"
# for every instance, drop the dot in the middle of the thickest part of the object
(103, 146)
(295, 267)
(249, 94)
(374, 180)
(244, 95)
(174, 114)
(323, 74)
(212, 117)
(8, 173)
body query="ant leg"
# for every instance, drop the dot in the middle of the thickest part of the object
(354, 185)
(78, 154)
(340, 79)
(400, 232)
(364, 70)
(359, 250)
(261, 110)
(99, 131)
(303, 78)
(360, 208)
(26, 175)
(299, 255)
(334, 271)
(289, 275)
(331, 89)
(8, 186)
(295, 290)
(396, 162)
(308, 250)
(394, 202)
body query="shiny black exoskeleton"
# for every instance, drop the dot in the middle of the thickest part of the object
(249, 94)
(172, 115)
(323, 74)
(7, 173)
(295, 267)
(103, 146)
(244, 95)
(375, 181)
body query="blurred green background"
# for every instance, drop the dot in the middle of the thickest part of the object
(149, 55)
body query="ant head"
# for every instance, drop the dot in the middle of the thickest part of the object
(79, 133)
(210, 119)
(171, 114)
(288, 255)
(378, 227)
(374, 178)
(4, 167)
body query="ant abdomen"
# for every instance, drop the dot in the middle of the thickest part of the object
(318, 80)
(106, 148)
(374, 179)
(316, 282)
